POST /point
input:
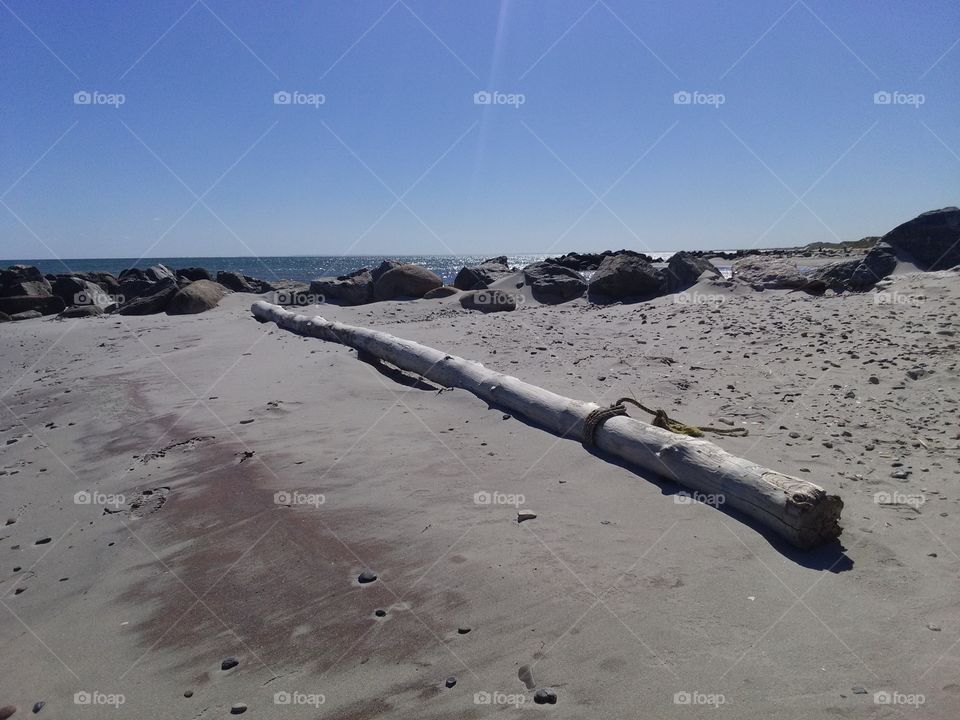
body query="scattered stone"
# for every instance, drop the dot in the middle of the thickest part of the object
(525, 515)
(238, 709)
(38, 706)
(228, 663)
(463, 630)
(7, 711)
(380, 613)
(450, 681)
(552, 284)
(859, 690)
(545, 696)
(367, 576)
(188, 693)
(935, 628)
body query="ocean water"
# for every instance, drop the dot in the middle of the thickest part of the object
(295, 267)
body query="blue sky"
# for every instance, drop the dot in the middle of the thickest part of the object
(781, 143)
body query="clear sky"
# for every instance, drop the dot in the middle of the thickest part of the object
(586, 147)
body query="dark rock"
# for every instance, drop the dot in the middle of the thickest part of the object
(552, 284)
(545, 696)
(154, 302)
(367, 576)
(441, 292)
(384, 267)
(450, 681)
(228, 663)
(353, 289)
(490, 300)
(931, 240)
(81, 311)
(25, 315)
(480, 277)
(405, 281)
(75, 290)
(6, 711)
(20, 273)
(188, 693)
(235, 281)
(238, 709)
(463, 630)
(38, 706)
(194, 273)
(591, 261)
(293, 292)
(684, 269)
(47, 305)
(769, 273)
(380, 613)
(858, 274)
(197, 297)
(4, 317)
(626, 275)
(23, 281)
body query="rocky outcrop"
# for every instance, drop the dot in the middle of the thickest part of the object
(384, 267)
(4, 317)
(197, 297)
(136, 282)
(763, 273)
(626, 275)
(441, 292)
(154, 302)
(684, 269)
(931, 240)
(23, 281)
(405, 281)
(78, 291)
(591, 261)
(490, 300)
(353, 289)
(479, 277)
(236, 281)
(552, 284)
(858, 274)
(43, 304)
(194, 273)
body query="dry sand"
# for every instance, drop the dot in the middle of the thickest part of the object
(617, 596)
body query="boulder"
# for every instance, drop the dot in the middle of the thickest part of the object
(353, 289)
(858, 274)
(627, 275)
(441, 292)
(20, 273)
(478, 277)
(931, 240)
(197, 297)
(81, 311)
(591, 261)
(769, 273)
(34, 288)
(490, 300)
(25, 315)
(236, 281)
(194, 273)
(684, 269)
(74, 290)
(106, 280)
(384, 267)
(552, 283)
(152, 303)
(4, 317)
(293, 292)
(405, 281)
(45, 305)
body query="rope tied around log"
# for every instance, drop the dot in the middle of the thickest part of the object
(660, 419)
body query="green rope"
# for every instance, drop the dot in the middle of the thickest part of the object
(660, 419)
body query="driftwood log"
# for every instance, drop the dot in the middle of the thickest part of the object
(801, 512)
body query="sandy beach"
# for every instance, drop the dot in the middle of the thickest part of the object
(235, 479)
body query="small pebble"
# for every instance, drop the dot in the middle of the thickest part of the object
(463, 630)
(545, 696)
(525, 515)
(367, 576)
(7, 711)
(230, 662)
(38, 706)
(380, 613)
(859, 690)
(451, 681)
(238, 709)
(935, 628)
(188, 693)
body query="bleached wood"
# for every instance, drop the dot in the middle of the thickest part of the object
(798, 510)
